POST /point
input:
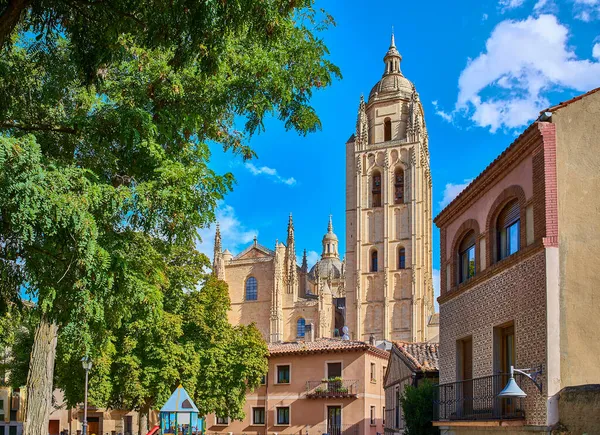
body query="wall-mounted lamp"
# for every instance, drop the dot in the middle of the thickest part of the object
(513, 390)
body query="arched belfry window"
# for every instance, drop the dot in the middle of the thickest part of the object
(399, 186)
(374, 262)
(376, 189)
(401, 258)
(508, 229)
(466, 257)
(301, 327)
(251, 289)
(387, 129)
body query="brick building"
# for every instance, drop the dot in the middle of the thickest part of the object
(323, 386)
(519, 253)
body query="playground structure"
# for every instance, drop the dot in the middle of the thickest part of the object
(179, 416)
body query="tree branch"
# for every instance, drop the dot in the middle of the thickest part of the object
(10, 18)
(5, 125)
(111, 7)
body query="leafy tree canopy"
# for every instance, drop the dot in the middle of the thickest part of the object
(107, 110)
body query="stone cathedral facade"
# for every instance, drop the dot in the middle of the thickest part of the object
(383, 288)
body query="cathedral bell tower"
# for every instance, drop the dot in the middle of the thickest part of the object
(389, 289)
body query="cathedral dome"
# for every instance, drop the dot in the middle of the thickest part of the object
(330, 264)
(325, 268)
(393, 84)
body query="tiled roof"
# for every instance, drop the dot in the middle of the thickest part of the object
(572, 100)
(471, 186)
(420, 357)
(323, 345)
(258, 246)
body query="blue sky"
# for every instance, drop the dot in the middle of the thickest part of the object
(483, 69)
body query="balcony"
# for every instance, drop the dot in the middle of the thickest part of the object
(333, 429)
(476, 400)
(333, 388)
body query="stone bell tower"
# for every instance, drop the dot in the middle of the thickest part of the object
(389, 289)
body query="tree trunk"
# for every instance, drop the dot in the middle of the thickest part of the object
(40, 379)
(143, 420)
(9, 18)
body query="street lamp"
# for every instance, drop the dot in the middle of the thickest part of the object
(86, 362)
(513, 390)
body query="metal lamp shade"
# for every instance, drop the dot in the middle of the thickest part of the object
(512, 390)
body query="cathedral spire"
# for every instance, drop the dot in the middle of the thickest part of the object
(304, 266)
(290, 254)
(290, 229)
(330, 242)
(218, 247)
(218, 261)
(362, 126)
(392, 58)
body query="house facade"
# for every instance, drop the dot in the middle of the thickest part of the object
(409, 364)
(323, 386)
(519, 247)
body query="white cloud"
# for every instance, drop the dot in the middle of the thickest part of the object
(270, 172)
(451, 191)
(484, 17)
(505, 86)
(234, 235)
(596, 50)
(311, 258)
(510, 4)
(545, 6)
(587, 10)
(436, 288)
(444, 115)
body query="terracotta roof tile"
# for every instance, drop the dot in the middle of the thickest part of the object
(421, 357)
(572, 100)
(323, 345)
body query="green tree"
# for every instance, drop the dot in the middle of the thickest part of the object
(106, 112)
(417, 407)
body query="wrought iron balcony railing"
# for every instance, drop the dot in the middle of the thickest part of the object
(333, 429)
(476, 399)
(332, 389)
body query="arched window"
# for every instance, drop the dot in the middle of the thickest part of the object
(387, 129)
(466, 257)
(401, 258)
(374, 261)
(376, 189)
(508, 229)
(301, 328)
(399, 186)
(251, 289)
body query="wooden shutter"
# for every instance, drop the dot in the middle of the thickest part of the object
(510, 214)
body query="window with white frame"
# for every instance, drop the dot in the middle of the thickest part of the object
(283, 374)
(221, 421)
(258, 415)
(283, 415)
(372, 415)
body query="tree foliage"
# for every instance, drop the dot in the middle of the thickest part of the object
(107, 110)
(417, 407)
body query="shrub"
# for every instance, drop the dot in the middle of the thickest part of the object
(417, 405)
